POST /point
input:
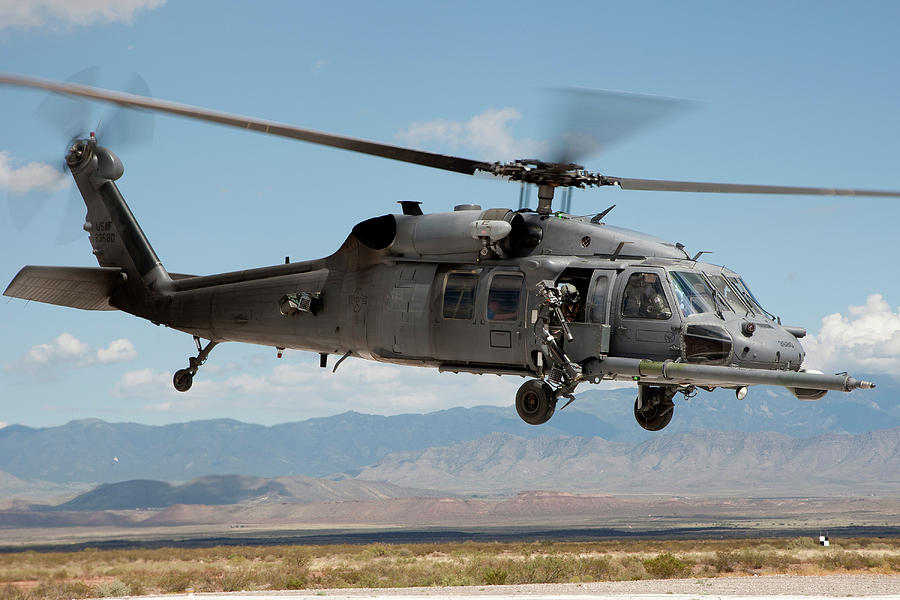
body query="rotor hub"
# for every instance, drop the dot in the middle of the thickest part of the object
(546, 173)
(79, 152)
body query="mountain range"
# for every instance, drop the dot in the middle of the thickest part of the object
(345, 445)
(696, 464)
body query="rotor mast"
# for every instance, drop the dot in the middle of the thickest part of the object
(545, 198)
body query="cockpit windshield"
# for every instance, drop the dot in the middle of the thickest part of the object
(728, 293)
(747, 296)
(693, 293)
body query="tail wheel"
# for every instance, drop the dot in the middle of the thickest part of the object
(535, 402)
(183, 380)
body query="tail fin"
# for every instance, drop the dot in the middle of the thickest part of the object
(114, 233)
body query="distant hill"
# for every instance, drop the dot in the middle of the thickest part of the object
(698, 463)
(95, 451)
(217, 490)
(15, 491)
(546, 510)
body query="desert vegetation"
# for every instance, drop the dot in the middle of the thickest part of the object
(27, 575)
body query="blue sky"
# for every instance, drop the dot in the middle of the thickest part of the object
(799, 93)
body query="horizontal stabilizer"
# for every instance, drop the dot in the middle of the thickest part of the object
(87, 288)
(177, 276)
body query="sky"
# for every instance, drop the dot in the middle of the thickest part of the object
(792, 93)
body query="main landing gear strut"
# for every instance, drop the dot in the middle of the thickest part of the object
(653, 406)
(184, 378)
(536, 399)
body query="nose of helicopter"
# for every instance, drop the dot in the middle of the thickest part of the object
(763, 344)
(742, 342)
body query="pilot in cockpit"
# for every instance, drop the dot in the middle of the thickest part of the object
(644, 298)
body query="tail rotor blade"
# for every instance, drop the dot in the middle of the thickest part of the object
(29, 187)
(72, 219)
(69, 116)
(128, 127)
(24, 207)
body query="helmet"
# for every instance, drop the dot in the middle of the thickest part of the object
(569, 293)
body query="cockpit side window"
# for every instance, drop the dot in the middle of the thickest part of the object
(644, 298)
(693, 293)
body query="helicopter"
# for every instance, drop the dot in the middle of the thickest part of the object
(559, 299)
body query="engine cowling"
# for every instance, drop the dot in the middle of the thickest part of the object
(454, 233)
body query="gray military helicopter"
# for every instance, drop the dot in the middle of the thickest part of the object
(542, 294)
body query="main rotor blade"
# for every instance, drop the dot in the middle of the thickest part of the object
(660, 185)
(582, 122)
(428, 159)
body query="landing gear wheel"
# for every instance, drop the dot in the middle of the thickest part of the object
(656, 417)
(183, 380)
(535, 402)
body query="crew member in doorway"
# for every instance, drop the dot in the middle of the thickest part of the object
(571, 301)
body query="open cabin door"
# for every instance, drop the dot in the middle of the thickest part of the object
(590, 327)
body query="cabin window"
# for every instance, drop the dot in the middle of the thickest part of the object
(644, 298)
(459, 296)
(503, 297)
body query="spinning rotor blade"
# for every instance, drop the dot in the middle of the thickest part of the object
(419, 157)
(71, 118)
(128, 127)
(583, 122)
(548, 175)
(660, 185)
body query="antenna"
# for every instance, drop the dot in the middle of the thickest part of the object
(599, 216)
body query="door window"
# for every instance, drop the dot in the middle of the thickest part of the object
(644, 298)
(503, 297)
(597, 300)
(459, 296)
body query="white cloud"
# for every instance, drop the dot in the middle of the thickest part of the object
(307, 390)
(865, 340)
(486, 133)
(118, 351)
(33, 176)
(67, 350)
(66, 13)
(3, 424)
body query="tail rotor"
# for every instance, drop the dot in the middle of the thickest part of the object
(42, 189)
